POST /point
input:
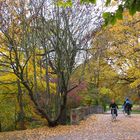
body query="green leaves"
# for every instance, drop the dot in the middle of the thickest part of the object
(107, 2)
(93, 1)
(106, 16)
(68, 3)
(133, 8)
(119, 12)
(138, 5)
(88, 1)
(110, 18)
(132, 5)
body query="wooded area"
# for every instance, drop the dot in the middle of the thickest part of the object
(54, 58)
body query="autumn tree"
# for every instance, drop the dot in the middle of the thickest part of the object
(46, 41)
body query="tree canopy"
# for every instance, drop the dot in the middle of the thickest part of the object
(132, 6)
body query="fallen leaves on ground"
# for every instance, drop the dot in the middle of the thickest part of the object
(95, 127)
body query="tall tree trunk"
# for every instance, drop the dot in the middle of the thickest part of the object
(63, 113)
(62, 117)
(21, 109)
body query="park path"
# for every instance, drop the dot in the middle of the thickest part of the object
(95, 127)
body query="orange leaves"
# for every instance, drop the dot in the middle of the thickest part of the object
(94, 127)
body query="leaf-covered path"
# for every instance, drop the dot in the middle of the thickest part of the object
(99, 127)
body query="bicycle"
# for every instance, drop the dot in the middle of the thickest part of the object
(113, 114)
(128, 111)
(123, 110)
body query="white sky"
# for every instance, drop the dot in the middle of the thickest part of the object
(101, 6)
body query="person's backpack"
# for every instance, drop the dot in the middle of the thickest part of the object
(129, 103)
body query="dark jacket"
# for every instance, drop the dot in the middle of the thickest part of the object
(113, 105)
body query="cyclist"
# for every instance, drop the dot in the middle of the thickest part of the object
(127, 106)
(114, 107)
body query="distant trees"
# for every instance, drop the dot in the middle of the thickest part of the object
(118, 46)
(113, 69)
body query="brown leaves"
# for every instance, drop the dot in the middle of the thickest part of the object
(97, 127)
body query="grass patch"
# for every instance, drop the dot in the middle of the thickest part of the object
(136, 111)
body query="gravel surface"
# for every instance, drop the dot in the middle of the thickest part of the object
(95, 127)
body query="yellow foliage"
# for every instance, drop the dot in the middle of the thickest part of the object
(9, 77)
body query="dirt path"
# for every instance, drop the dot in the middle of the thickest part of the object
(96, 127)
